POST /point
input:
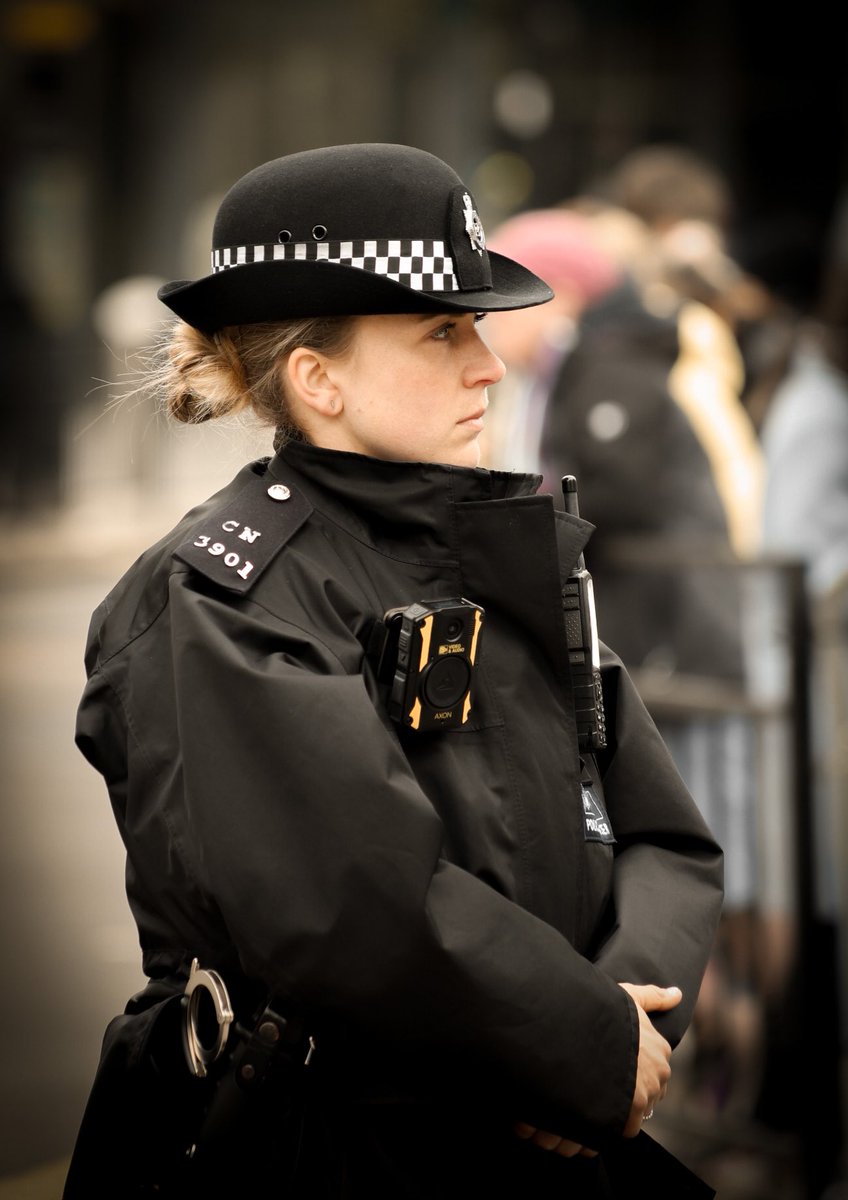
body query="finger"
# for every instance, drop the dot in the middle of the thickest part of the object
(545, 1140)
(634, 1124)
(567, 1149)
(652, 998)
(587, 1153)
(638, 1115)
(522, 1130)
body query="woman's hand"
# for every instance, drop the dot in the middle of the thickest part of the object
(653, 1071)
(653, 1066)
(551, 1141)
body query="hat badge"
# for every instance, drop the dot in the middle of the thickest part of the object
(473, 226)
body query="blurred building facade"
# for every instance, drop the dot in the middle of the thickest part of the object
(126, 120)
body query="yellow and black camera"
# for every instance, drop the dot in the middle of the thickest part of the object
(428, 659)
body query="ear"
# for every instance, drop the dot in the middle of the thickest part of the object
(310, 383)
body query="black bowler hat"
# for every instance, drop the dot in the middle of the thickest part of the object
(367, 228)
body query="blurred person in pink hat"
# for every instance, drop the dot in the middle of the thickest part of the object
(534, 341)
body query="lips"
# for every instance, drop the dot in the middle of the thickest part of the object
(476, 418)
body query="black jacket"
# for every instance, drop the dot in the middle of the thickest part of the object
(432, 897)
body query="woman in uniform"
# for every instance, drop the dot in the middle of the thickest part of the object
(410, 929)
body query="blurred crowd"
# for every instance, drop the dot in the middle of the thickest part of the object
(695, 381)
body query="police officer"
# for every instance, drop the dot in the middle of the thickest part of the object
(483, 937)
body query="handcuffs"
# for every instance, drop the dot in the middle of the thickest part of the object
(272, 1035)
(199, 1055)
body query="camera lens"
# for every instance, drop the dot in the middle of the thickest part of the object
(453, 632)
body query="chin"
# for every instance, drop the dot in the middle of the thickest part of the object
(470, 456)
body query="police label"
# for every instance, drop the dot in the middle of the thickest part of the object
(596, 825)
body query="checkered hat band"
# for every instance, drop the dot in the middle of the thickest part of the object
(419, 263)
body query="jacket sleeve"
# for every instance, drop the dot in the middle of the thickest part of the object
(668, 879)
(307, 827)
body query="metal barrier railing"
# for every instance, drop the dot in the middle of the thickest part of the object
(783, 954)
(829, 620)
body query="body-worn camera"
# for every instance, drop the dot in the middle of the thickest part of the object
(428, 659)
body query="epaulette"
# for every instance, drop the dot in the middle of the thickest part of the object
(236, 541)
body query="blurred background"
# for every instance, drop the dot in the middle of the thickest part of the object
(693, 375)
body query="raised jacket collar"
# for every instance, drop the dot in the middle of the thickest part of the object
(394, 503)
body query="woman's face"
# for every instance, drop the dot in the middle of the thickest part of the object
(413, 388)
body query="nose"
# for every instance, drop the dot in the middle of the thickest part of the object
(484, 368)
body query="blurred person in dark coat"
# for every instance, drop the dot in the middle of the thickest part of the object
(696, 249)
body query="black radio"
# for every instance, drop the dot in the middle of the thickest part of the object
(581, 635)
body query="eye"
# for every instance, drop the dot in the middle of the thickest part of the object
(442, 334)
(478, 317)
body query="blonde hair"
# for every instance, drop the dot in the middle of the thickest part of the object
(205, 376)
